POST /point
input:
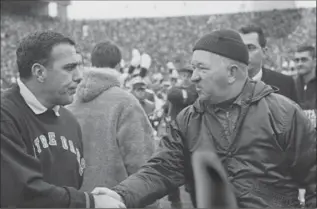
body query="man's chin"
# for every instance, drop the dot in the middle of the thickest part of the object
(302, 71)
(68, 100)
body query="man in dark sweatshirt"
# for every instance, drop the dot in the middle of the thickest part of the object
(42, 162)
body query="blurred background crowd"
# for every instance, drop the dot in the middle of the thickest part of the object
(167, 39)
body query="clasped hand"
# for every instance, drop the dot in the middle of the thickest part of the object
(106, 198)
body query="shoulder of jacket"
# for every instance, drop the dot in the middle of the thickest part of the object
(282, 109)
(185, 116)
(11, 108)
(279, 75)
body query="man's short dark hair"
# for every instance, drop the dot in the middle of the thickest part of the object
(106, 54)
(36, 48)
(255, 29)
(307, 48)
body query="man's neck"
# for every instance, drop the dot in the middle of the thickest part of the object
(253, 72)
(309, 76)
(36, 91)
(235, 93)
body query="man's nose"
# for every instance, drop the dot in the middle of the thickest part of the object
(195, 77)
(78, 74)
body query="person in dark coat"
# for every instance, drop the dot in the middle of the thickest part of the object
(305, 64)
(254, 38)
(183, 95)
(178, 98)
(264, 141)
(139, 91)
(306, 81)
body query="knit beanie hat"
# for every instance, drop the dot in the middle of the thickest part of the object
(226, 43)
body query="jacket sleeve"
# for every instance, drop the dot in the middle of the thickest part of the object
(164, 172)
(22, 183)
(135, 136)
(302, 151)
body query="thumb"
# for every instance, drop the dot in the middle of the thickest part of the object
(100, 190)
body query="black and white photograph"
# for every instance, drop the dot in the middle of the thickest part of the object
(158, 104)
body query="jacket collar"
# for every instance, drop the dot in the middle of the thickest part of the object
(251, 92)
(95, 82)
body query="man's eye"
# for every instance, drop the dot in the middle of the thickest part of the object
(251, 47)
(70, 68)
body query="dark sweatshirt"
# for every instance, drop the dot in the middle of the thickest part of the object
(42, 160)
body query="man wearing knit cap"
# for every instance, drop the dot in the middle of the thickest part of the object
(265, 142)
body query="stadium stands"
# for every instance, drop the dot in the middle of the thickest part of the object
(164, 39)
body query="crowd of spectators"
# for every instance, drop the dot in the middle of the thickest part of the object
(164, 39)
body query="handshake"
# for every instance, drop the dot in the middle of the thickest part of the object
(106, 198)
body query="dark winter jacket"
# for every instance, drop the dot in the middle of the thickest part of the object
(307, 93)
(285, 84)
(179, 98)
(270, 157)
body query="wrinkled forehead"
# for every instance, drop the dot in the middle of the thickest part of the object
(250, 38)
(201, 57)
(65, 54)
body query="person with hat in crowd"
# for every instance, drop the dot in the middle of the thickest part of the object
(182, 95)
(264, 141)
(118, 134)
(179, 97)
(139, 91)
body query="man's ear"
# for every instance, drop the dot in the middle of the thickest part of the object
(232, 73)
(39, 72)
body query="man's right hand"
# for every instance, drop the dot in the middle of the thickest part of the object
(105, 201)
(106, 191)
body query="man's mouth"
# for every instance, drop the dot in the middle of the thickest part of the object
(198, 88)
(72, 91)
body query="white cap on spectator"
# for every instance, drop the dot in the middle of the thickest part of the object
(166, 83)
(122, 63)
(170, 65)
(146, 61)
(138, 82)
(136, 58)
(174, 74)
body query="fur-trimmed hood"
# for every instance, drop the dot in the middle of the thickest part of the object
(96, 81)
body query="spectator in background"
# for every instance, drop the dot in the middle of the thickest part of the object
(183, 95)
(178, 98)
(118, 135)
(305, 64)
(139, 91)
(254, 38)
